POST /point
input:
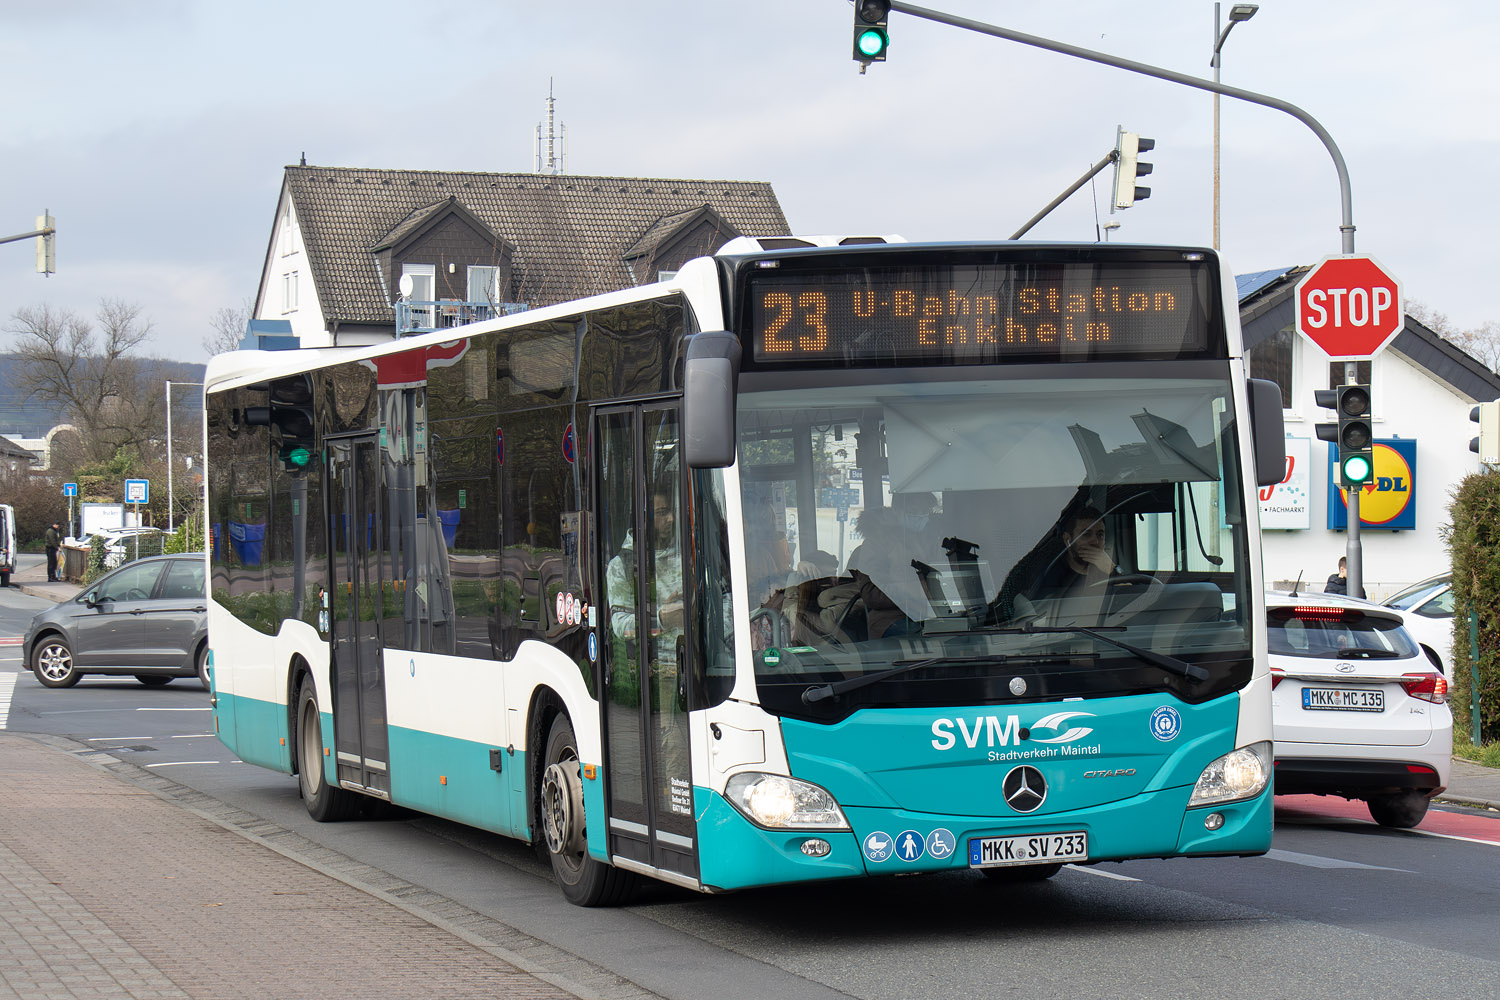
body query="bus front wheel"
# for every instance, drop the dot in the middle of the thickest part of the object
(584, 880)
(324, 803)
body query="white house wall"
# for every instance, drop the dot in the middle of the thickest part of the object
(1408, 403)
(307, 319)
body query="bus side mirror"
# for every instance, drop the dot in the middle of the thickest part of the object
(1267, 431)
(709, 375)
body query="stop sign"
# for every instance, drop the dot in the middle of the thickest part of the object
(1350, 307)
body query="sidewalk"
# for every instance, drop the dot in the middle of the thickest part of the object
(33, 580)
(107, 890)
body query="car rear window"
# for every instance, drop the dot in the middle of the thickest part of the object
(1337, 634)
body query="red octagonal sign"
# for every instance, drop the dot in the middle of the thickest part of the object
(1351, 307)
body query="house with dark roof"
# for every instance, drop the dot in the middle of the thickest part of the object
(357, 256)
(1421, 388)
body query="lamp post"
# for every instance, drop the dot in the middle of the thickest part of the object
(170, 497)
(1239, 12)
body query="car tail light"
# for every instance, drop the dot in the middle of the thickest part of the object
(1431, 687)
(1277, 676)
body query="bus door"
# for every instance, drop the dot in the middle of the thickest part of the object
(640, 628)
(357, 531)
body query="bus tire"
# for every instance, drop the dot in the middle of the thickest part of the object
(584, 880)
(1017, 874)
(324, 803)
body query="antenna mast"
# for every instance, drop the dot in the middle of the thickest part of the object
(556, 135)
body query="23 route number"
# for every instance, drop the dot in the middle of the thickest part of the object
(814, 316)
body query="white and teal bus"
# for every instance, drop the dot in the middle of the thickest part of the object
(822, 559)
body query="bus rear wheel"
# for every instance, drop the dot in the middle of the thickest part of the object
(584, 880)
(324, 803)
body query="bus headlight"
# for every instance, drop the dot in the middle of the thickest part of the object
(782, 803)
(1240, 774)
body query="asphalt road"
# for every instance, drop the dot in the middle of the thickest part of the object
(1340, 908)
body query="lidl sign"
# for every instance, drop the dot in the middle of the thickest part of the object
(1389, 500)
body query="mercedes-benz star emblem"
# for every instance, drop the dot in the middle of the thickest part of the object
(1025, 789)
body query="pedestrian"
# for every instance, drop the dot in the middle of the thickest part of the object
(1338, 583)
(52, 538)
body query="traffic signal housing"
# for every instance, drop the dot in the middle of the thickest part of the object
(871, 37)
(1129, 167)
(1487, 444)
(1352, 433)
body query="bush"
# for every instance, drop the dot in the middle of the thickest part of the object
(1474, 539)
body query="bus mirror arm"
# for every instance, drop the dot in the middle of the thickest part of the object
(709, 376)
(1267, 430)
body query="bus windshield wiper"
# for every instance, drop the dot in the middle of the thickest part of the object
(1182, 668)
(822, 692)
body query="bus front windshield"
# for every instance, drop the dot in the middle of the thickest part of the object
(968, 542)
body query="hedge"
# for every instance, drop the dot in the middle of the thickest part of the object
(1474, 539)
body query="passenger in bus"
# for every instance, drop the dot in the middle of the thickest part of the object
(621, 575)
(899, 541)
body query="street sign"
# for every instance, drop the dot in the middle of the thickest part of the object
(137, 490)
(70, 489)
(1350, 307)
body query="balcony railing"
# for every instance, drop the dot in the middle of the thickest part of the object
(414, 316)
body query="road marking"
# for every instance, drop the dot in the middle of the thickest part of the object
(7, 685)
(1103, 874)
(174, 710)
(194, 736)
(175, 763)
(1313, 861)
(105, 739)
(11, 640)
(1449, 836)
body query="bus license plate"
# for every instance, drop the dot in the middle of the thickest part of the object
(1343, 700)
(1028, 849)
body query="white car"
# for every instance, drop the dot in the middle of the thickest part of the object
(1427, 610)
(123, 544)
(1358, 708)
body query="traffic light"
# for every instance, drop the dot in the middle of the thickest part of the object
(1352, 433)
(1487, 444)
(870, 36)
(46, 245)
(1128, 167)
(1356, 438)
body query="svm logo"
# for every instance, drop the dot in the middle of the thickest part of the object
(999, 733)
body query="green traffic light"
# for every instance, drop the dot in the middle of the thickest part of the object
(1357, 469)
(298, 456)
(871, 42)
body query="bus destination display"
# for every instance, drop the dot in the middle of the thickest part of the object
(980, 313)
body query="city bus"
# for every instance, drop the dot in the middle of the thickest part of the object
(820, 559)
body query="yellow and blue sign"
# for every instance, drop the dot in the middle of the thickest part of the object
(1389, 500)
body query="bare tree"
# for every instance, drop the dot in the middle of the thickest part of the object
(91, 375)
(229, 328)
(1481, 343)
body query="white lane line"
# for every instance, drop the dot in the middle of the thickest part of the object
(174, 710)
(194, 736)
(1450, 836)
(1103, 874)
(7, 685)
(106, 739)
(176, 763)
(1313, 861)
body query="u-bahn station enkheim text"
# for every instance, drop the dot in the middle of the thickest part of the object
(1043, 316)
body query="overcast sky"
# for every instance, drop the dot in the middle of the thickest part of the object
(156, 131)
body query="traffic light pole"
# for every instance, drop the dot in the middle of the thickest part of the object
(1353, 551)
(1346, 198)
(1114, 154)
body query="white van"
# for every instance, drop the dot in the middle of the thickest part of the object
(7, 543)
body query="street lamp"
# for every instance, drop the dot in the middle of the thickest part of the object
(1239, 12)
(170, 498)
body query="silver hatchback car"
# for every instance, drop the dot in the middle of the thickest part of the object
(149, 618)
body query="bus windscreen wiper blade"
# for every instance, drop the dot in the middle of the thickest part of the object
(1182, 668)
(822, 692)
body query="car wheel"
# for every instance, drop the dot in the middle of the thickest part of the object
(584, 880)
(202, 663)
(1016, 874)
(1402, 810)
(54, 663)
(324, 803)
(153, 680)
